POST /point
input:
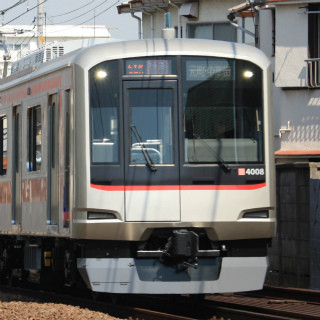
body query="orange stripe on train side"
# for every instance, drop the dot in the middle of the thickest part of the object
(35, 88)
(179, 187)
(34, 190)
(5, 192)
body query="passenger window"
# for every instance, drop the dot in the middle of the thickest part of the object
(34, 142)
(3, 145)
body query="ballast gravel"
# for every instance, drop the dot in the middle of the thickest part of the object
(16, 307)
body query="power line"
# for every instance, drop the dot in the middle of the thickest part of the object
(23, 39)
(62, 22)
(88, 19)
(63, 14)
(13, 6)
(25, 12)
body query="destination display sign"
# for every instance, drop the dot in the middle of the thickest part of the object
(204, 69)
(148, 67)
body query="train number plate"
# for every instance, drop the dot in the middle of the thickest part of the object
(251, 172)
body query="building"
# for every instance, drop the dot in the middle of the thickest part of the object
(205, 19)
(290, 36)
(19, 40)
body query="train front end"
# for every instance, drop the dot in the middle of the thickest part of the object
(173, 167)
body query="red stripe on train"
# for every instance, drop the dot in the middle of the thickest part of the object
(178, 187)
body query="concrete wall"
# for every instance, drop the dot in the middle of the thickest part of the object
(291, 46)
(293, 101)
(302, 109)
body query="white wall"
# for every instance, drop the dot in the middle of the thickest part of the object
(293, 101)
(291, 46)
(302, 109)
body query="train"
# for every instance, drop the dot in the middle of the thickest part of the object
(138, 167)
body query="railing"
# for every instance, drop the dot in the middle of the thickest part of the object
(313, 72)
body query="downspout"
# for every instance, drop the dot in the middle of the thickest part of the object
(152, 23)
(139, 25)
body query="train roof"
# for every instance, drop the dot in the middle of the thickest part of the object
(89, 56)
(158, 47)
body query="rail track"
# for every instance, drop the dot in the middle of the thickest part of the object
(270, 303)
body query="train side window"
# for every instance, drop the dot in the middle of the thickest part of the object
(3, 145)
(34, 142)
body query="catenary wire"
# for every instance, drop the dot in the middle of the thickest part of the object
(62, 22)
(63, 14)
(88, 19)
(13, 6)
(24, 13)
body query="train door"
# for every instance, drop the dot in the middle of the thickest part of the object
(16, 165)
(53, 159)
(150, 153)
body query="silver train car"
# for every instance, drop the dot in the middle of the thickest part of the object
(139, 167)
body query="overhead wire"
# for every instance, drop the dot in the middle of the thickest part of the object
(13, 6)
(79, 24)
(63, 14)
(62, 22)
(23, 39)
(24, 12)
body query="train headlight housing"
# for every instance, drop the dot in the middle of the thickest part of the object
(101, 74)
(100, 215)
(247, 74)
(263, 214)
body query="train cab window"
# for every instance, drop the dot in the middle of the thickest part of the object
(34, 139)
(151, 125)
(104, 114)
(3, 145)
(222, 111)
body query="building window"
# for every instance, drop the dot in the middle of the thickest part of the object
(313, 63)
(314, 30)
(212, 31)
(34, 139)
(177, 34)
(3, 145)
(273, 13)
(15, 46)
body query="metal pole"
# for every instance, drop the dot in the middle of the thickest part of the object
(40, 22)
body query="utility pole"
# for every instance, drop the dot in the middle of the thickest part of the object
(40, 23)
(6, 56)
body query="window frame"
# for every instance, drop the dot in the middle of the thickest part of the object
(213, 25)
(3, 147)
(239, 105)
(34, 131)
(313, 30)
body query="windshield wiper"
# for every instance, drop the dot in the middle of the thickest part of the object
(144, 150)
(225, 166)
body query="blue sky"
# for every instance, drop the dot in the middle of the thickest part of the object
(74, 12)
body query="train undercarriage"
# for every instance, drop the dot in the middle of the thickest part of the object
(167, 262)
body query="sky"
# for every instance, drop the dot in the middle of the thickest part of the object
(75, 12)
